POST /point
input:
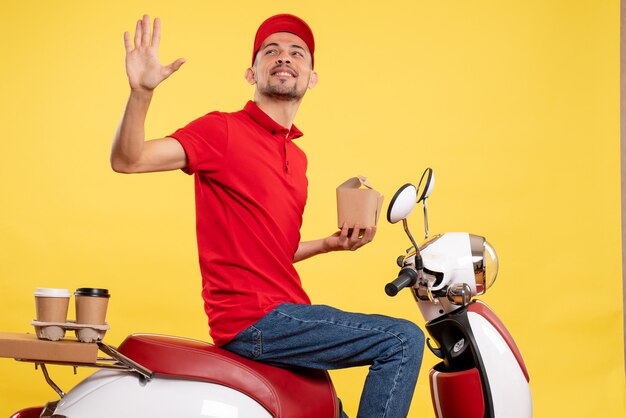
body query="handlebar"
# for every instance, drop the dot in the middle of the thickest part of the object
(407, 277)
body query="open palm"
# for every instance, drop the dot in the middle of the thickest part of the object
(143, 68)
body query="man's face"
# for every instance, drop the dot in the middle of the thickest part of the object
(282, 68)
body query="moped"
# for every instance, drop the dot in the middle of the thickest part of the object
(481, 375)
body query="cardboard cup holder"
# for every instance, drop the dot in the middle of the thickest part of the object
(91, 307)
(54, 331)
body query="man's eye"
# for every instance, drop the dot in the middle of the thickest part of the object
(270, 52)
(297, 54)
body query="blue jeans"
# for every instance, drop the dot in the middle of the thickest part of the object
(322, 337)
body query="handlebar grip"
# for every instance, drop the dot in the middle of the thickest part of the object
(407, 277)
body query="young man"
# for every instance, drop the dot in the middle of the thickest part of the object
(251, 189)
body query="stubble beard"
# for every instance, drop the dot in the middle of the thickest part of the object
(282, 93)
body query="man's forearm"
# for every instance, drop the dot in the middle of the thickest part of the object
(339, 241)
(130, 135)
(308, 249)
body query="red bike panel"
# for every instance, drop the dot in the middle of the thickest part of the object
(457, 394)
(34, 412)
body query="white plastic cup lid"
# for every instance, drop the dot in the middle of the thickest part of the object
(47, 292)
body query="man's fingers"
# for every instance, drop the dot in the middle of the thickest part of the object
(175, 65)
(145, 31)
(360, 240)
(127, 45)
(138, 34)
(368, 236)
(344, 232)
(156, 33)
(356, 230)
(142, 34)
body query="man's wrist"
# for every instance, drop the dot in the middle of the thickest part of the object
(326, 245)
(141, 94)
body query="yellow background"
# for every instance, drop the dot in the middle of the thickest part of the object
(514, 104)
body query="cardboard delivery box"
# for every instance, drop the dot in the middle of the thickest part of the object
(358, 203)
(29, 347)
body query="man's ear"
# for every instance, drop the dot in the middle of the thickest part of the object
(313, 80)
(250, 76)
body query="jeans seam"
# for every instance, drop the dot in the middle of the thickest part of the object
(342, 325)
(397, 377)
(258, 342)
(402, 344)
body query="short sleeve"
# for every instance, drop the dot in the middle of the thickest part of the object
(205, 141)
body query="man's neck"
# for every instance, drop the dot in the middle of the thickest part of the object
(281, 111)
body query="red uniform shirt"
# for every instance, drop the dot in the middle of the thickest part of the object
(251, 189)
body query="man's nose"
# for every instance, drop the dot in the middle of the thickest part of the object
(283, 59)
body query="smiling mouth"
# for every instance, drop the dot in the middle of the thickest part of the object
(283, 74)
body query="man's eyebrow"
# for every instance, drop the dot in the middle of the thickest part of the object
(274, 44)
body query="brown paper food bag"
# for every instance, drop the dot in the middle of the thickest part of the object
(358, 203)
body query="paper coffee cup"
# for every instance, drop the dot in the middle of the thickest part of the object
(91, 305)
(51, 304)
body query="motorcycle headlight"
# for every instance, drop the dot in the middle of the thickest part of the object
(485, 262)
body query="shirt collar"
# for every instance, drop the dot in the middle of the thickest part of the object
(269, 124)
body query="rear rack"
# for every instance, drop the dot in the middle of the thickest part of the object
(116, 361)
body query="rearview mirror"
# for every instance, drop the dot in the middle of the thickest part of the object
(402, 203)
(426, 184)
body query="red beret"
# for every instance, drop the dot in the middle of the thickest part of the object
(284, 23)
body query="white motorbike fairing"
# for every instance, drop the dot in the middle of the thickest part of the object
(482, 373)
(108, 394)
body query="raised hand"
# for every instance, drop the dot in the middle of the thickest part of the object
(143, 68)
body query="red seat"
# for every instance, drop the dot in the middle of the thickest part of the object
(284, 393)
